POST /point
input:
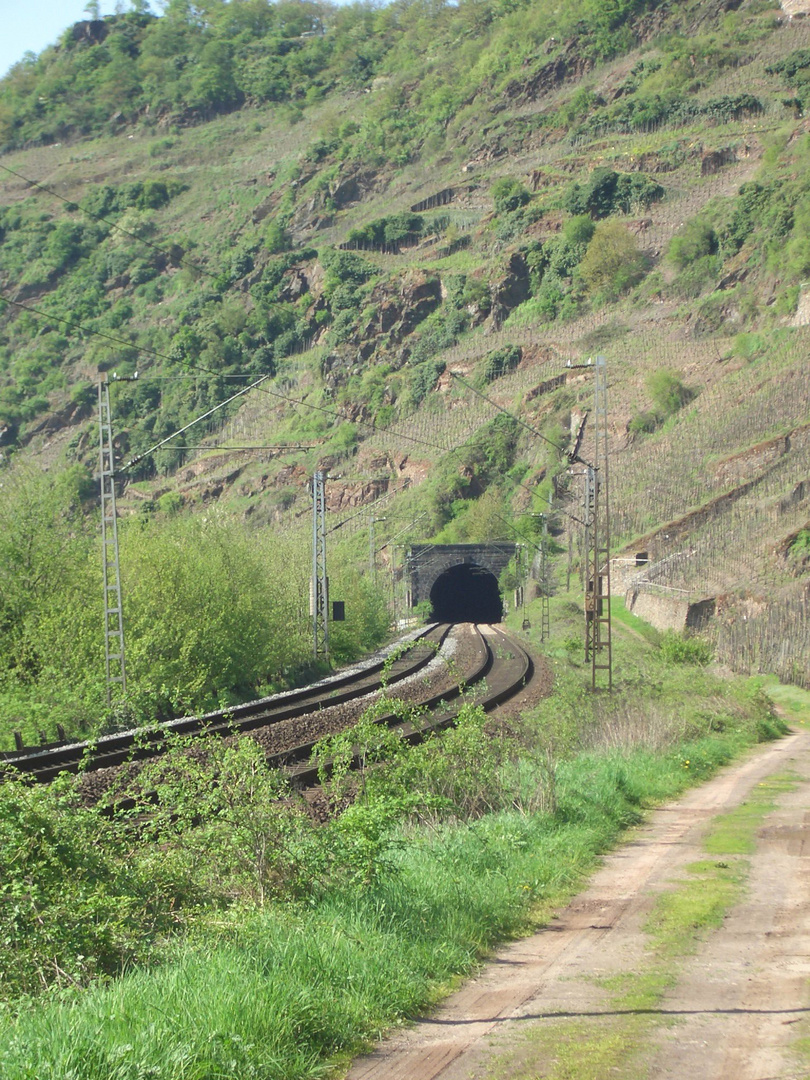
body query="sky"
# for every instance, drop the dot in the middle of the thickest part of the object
(33, 24)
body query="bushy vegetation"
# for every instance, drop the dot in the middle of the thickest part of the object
(669, 395)
(215, 612)
(608, 192)
(229, 910)
(501, 361)
(613, 262)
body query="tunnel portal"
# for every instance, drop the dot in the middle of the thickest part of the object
(466, 593)
(460, 581)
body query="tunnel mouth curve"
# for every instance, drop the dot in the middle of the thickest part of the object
(466, 592)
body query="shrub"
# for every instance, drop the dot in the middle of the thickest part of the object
(668, 392)
(613, 262)
(678, 649)
(276, 238)
(643, 423)
(509, 195)
(608, 192)
(501, 361)
(579, 230)
(695, 240)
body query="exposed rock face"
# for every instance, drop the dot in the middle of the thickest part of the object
(796, 9)
(511, 290)
(55, 421)
(8, 433)
(352, 188)
(336, 367)
(714, 160)
(398, 315)
(89, 32)
(296, 285)
(568, 64)
(353, 495)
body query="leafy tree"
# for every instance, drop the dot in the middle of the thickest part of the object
(695, 240)
(613, 262)
(608, 192)
(509, 195)
(501, 361)
(668, 392)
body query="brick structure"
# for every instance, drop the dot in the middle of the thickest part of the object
(426, 563)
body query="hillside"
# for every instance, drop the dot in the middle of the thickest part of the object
(359, 203)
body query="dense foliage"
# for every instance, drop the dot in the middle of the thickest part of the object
(230, 910)
(197, 60)
(215, 612)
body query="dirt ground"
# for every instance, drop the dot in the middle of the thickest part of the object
(735, 1008)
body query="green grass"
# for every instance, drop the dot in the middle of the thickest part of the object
(278, 992)
(624, 618)
(792, 701)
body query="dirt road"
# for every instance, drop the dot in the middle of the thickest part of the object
(547, 1005)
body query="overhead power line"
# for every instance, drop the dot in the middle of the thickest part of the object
(112, 338)
(500, 408)
(204, 416)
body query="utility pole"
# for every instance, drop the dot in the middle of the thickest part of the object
(372, 550)
(113, 609)
(545, 602)
(596, 516)
(598, 637)
(115, 664)
(320, 583)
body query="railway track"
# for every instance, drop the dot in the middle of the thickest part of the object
(400, 661)
(498, 668)
(502, 668)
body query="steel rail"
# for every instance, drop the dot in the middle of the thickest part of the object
(504, 676)
(111, 750)
(501, 677)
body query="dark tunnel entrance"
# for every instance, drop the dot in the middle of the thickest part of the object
(466, 593)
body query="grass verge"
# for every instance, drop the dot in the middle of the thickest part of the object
(280, 991)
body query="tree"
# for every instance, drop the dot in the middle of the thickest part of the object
(509, 195)
(613, 262)
(668, 392)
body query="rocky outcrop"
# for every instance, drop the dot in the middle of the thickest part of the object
(511, 290)
(713, 161)
(568, 65)
(69, 416)
(398, 315)
(89, 32)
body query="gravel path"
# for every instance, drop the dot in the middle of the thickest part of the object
(732, 1014)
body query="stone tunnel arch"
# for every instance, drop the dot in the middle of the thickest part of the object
(460, 581)
(466, 593)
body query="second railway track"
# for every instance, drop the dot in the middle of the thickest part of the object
(495, 664)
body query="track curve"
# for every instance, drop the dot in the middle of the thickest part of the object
(401, 660)
(497, 667)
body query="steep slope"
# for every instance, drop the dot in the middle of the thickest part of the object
(361, 203)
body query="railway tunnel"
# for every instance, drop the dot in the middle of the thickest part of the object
(459, 580)
(466, 593)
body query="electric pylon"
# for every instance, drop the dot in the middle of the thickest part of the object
(598, 641)
(545, 588)
(113, 610)
(320, 582)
